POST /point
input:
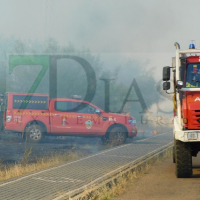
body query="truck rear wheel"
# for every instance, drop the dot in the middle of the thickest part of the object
(183, 159)
(117, 136)
(35, 133)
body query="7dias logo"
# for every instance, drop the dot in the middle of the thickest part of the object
(197, 99)
(49, 63)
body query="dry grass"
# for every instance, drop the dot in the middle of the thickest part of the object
(24, 166)
(109, 190)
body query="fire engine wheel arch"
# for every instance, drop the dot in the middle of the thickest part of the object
(183, 159)
(116, 134)
(35, 131)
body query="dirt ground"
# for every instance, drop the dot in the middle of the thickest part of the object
(160, 183)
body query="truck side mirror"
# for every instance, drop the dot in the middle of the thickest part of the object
(166, 85)
(97, 112)
(179, 84)
(166, 73)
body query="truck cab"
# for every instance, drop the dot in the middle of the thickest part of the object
(191, 99)
(186, 102)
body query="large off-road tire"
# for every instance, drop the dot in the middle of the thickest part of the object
(117, 136)
(183, 159)
(173, 154)
(35, 133)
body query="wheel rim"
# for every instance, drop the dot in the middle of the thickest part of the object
(118, 137)
(35, 134)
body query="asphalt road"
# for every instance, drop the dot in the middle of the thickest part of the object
(160, 183)
(12, 147)
(70, 178)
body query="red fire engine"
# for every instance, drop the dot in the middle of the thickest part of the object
(186, 89)
(35, 116)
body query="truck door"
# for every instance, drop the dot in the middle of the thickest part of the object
(63, 120)
(88, 122)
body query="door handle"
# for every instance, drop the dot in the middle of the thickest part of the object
(57, 114)
(80, 116)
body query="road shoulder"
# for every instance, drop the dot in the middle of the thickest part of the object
(160, 182)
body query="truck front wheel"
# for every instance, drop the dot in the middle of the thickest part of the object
(35, 133)
(173, 154)
(117, 136)
(183, 159)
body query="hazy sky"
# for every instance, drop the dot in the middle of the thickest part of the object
(115, 29)
(114, 26)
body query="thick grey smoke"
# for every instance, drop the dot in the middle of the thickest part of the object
(119, 31)
(104, 26)
(140, 30)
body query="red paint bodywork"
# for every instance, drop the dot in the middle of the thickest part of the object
(74, 122)
(190, 104)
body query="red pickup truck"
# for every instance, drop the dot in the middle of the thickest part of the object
(35, 116)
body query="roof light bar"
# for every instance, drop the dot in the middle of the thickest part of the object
(192, 44)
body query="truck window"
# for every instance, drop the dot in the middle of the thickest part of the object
(65, 106)
(193, 75)
(30, 102)
(86, 108)
(71, 106)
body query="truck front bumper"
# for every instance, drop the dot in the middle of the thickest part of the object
(185, 135)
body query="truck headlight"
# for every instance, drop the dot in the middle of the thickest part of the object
(132, 121)
(192, 135)
(8, 118)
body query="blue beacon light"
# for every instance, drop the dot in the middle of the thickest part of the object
(192, 46)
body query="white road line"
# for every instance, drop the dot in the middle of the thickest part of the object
(117, 156)
(53, 179)
(150, 137)
(92, 182)
(43, 179)
(52, 168)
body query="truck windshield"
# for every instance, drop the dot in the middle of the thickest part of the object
(193, 75)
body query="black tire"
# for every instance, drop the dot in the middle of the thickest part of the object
(173, 154)
(117, 136)
(35, 133)
(183, 159)
(104, 139)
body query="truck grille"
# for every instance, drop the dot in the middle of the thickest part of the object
(193, 121)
